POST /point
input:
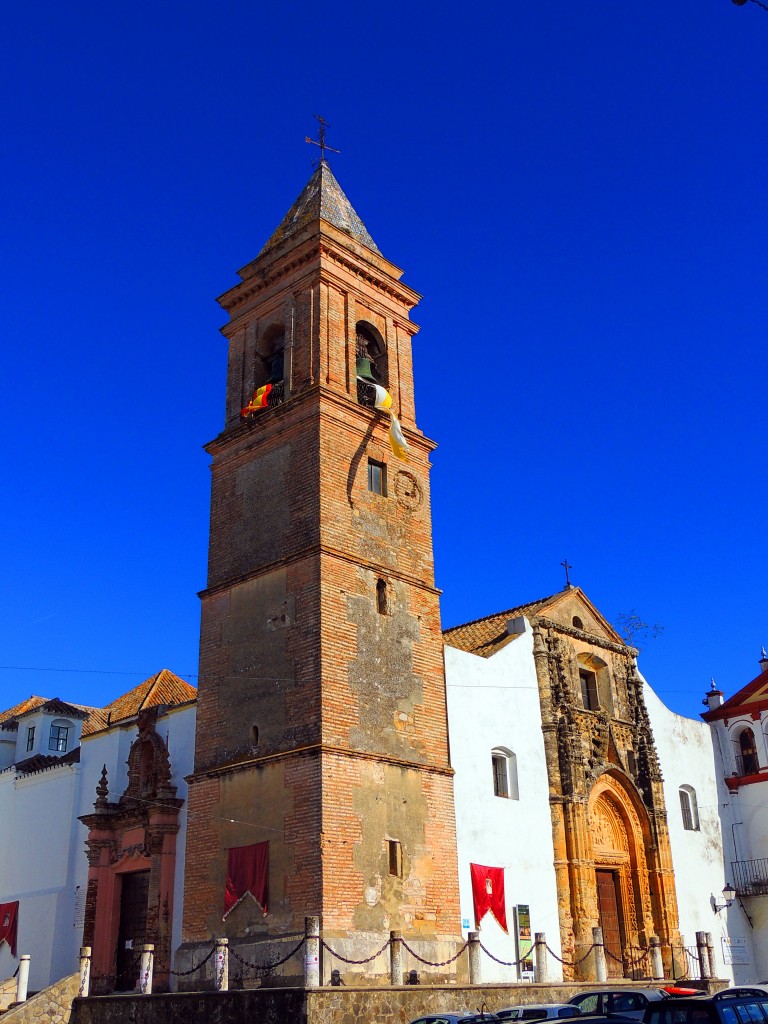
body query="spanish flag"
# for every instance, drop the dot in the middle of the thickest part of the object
(383, 402)
(259, 400)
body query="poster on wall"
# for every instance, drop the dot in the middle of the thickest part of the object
(524, 941)
(735, 951)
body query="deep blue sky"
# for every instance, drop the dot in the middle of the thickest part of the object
(578, 190)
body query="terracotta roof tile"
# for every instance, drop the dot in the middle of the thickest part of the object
(40, 762)
(162, 688)
(488, 635)
(21, 709)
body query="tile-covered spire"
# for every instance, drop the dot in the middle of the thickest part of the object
(321, 199)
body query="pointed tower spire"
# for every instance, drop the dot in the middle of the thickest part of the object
(321, 199)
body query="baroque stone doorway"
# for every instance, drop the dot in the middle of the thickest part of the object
(622, 855)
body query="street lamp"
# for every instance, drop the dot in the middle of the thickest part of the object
(729, 893)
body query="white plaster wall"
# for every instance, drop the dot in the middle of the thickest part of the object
(181, 747)
(37, 813)
(494, 702)
(689, 756)
(747, 838)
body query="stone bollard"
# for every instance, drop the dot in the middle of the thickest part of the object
(657, 964)
(146, 969)
(311, 952)
(541, 957)
(22, 981)
(221, 965)
(711, 955)
(85, 971)
(473, 940)
(703, 953)
(396, 958)
(601, 971)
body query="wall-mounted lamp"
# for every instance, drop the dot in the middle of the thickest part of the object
(729, 895)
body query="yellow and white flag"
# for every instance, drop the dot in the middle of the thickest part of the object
(383, 402)
(383, 398)
(397, 441)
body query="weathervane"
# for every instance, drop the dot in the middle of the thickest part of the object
(321, 141)
(567, 565)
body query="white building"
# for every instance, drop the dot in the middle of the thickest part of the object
(52, 754)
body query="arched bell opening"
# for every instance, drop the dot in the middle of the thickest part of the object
(269, 363)
(371, 364)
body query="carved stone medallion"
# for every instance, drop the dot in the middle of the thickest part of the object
(407, 490)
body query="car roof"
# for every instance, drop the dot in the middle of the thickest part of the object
(534, 1006)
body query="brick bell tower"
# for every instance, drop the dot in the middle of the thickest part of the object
(321, 724)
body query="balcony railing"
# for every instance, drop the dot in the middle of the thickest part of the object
(276, 396)
(751, 877)
(747, 764)
(366, 394)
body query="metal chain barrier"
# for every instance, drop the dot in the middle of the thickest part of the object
(431, 963)
(266, 967)
(192, 970)
(504, 963)
(567, 963)
(346, 960)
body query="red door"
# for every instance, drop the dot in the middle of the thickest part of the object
(610, 921)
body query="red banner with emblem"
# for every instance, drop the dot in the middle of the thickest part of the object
(488, 893)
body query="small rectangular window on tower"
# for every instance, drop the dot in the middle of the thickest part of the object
(377, 477)
(395, 858)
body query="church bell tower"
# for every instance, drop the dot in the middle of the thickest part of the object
(321, 730)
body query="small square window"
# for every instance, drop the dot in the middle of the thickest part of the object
(58, 738)
(377, 477)
(30, 737)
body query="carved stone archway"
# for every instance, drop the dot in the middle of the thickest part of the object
(623, 848)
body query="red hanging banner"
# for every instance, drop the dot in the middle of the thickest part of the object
(247, 872)
(488, 893)
(9, 915)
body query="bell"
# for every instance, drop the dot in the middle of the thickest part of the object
(276, 368)
(367, 369)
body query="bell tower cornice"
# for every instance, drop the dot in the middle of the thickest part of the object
(338, 255)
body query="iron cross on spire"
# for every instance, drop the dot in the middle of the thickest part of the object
(323, 124)
(567, 565)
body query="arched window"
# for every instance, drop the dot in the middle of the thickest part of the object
(747, 760)
(370, 362)
(59, 735)
(269, 365)
(382, 603)
(504, 765)
(577, 623)
(689, 808)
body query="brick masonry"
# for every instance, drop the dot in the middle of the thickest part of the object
(321, 721)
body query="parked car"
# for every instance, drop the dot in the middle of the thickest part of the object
(462, 1017)
(539, 1011)
(742, 1004)
(629, 1002)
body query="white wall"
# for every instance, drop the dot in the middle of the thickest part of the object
(37, 813)
(689, 756)
(494, 702)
